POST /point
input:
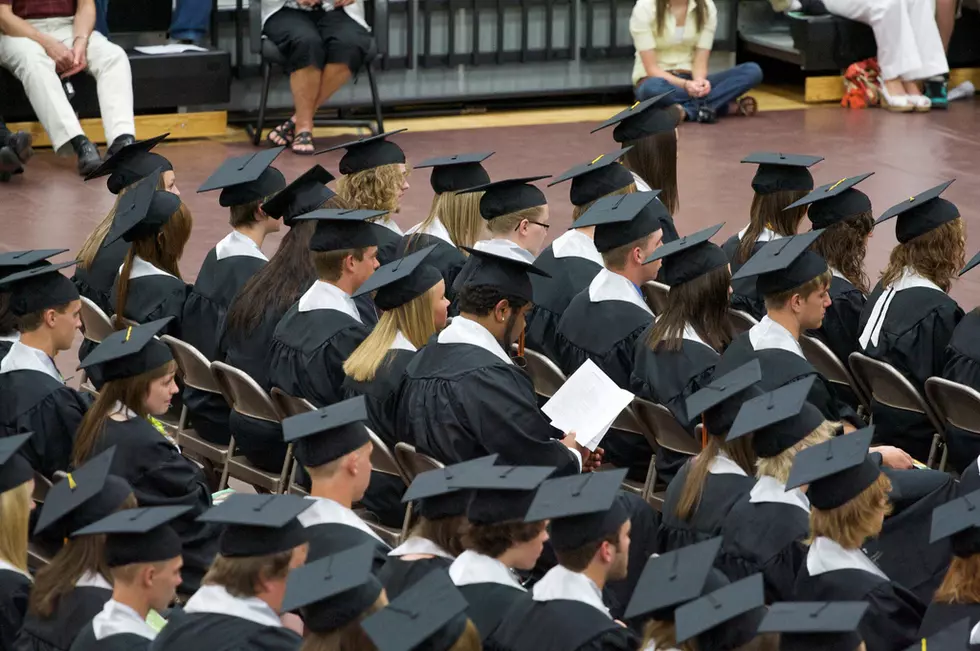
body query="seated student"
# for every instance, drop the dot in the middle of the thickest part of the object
(962, 366)
(138, 373)
(572, 260)
(817, 625)
(15, 151)
(16, 504)
(35, 396)
(848, 501)
(676, 355)
(238, 604)
(780, 180)
(13, 262)
(909, 318)
(727, 618)
(143, 555)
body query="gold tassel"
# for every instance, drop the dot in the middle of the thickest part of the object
(71, 482)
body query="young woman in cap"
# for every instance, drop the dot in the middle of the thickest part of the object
(16, 504)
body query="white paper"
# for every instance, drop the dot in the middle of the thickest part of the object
(170, 48)
(587, 404)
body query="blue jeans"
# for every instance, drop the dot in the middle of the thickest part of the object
(190, 21)
(726, 86)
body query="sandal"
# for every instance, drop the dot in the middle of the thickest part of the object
(303, 139)
(746, 106)
(283, 135)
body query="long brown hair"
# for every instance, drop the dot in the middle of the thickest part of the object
(961, 585)
(15, 514)
(654, 159)
(700, 14)
(702, 302)
(740, 451)
(460, 214)
(844, 246)
(446, 532)
(86, 255)
(767, 212)
(663, 634)
(937, 255)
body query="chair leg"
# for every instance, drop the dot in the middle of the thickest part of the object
(932, 450)
(942, 460)
(375, 98)
(287, 466)
(266, 80)
(223, 484)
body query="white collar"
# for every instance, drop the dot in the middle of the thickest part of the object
(401, 342)
(767, 334)
(610, 286)
(505, 248)
(326, 511)
(325, 296)
(825, 555)
(464, 331)
(769, 490)
(10, 338)
(562, 583)
(117, 618)
(26, 358)
(723, 465)
(420, 545)
(836, 274)
(975, 635)
(767, 235)
(120, 408)
(692, 335)
(390, 225)
(238, 244)
(142, 268)
(471, 567)
(93, 580)
(4, 565)
(576, 244)
(908, 280)
(641, 185)
(216, 600)
(435, 229)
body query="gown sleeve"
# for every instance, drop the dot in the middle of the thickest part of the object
(925, 346)
(840, 327)
(893, 620)
(16, 590)
(56, 419)
(172, 304)
(620, 639)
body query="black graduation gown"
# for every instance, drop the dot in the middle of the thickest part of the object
(745, 296)
(940, 615)
(5, 346)
(914, 335)
(156, 297)
(399, 575)
(445, 257)
(96, 282)
(56, 633)
(333, 529)
(120, 642)
(839, 329)
(388, 241)
(970, 479)
(560, 625)
(489, 604)
(15, 590)
(963, 366)
(214, 632)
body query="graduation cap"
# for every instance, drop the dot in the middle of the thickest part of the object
(779, 172)
(338, 229)
(959, 520)
(582, 508)
(334, 591)
(784, 264)
(401, 280)
(328, 433)
(13, 262)
(132, 163)
(690, 257)
(503, 270)
(671, 579)
(837, 470)
(14, 468)
(721, 399)
(508, 196)
(430, 615)
(596, 179)
(642, 119)
(139, 535)
(622, 219)
(954, 637)
(780, 419)
(922, 213)
(142, 211)
(503, 493)
(130, 352)
(732, 612)
(816, 625)
(368, 153)
(248, 178)
(457, 172)
(305, 194)
(444, 492)
(258, 525)
(39, 288)
(835, 202)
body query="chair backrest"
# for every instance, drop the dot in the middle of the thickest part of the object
(382, 459)
(655, 295)
(669, 433)
(97, 323)
(413, 462)
(290, 405)
(889, 387)
(829, 366)
(741, 321)
(194, 366)
(244, 394)
(955, 403)
(545, 374)
(41, 487)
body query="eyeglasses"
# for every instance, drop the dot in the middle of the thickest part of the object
(541, 224)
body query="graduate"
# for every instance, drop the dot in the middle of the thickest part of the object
(375, 177)
(962, 366)
(849, 500)
(817, 625)
(238, 605)
(16, 488)
(572, 259)
(909, 318)
(727, 618)
(138, 373)
(780, 180)
(333, 446)
(604, 321)
(143, 555)
(13, 262)
(676, 355)
(35, 396)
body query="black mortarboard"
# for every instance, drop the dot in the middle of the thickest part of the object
(642, 119)
(959, 520)
(130, 352)
(506, 273)
(457, 172)
(508, 196)
(622, 219)
(433, 612)
(672, 579)
(338, 229)
(784, 264)
(258, 525)
(731, 613)
(954, 637)
(922, 213)
(142, 211)
(816, 625)
(328, 433)
(305, 194)
(333, 591)
(582, 508)
(132, 163)
(139, 535)
(779, 172)
(837, 470)
(835, 202)
(444, 492)
(39, 288)
(14, 468)
(13, 262)
(779, 419)
(974, 261)
(248, 178)
(690, 257)
(368, 153)
(401, 280)
(721, 399)
(596, 179)
(503, 493)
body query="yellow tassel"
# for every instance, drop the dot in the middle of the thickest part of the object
(923, 644)
(834, 186)
(71, 482)
(911, 199)
(635, 104)
(598, 158)
(129, 332)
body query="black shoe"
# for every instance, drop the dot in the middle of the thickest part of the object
(21, 142)
(118, 144)
(88, 157)
(706, 115)
(9, 163)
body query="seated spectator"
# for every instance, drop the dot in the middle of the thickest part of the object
(323, 48)
(15, 150)
(47, 42)
(673, 40)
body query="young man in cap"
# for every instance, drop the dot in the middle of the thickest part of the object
(11, 263)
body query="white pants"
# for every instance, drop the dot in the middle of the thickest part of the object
(107, 62)
(908, 39)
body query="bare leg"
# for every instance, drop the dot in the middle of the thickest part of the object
(911, 88)
(334, 76)
(304, 84)
(945, 19)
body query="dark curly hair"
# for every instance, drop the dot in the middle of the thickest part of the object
(481, 299)
(844, 245)
(494, 539)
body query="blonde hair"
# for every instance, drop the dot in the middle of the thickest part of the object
(508, 223)
(469, 639)
(937, 255)
(350, 637)
(961, 585)
(578, 211)
(15, 514)
(460, 214)
(778, 467)
(86, 255)
(857, 520)
(373, 189)
(821, 282)
(663, 634)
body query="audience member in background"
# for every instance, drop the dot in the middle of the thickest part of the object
(16, 504)
(44, 44)
(190, 22)
(15, 151)
(963, 366)
(673, 41)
